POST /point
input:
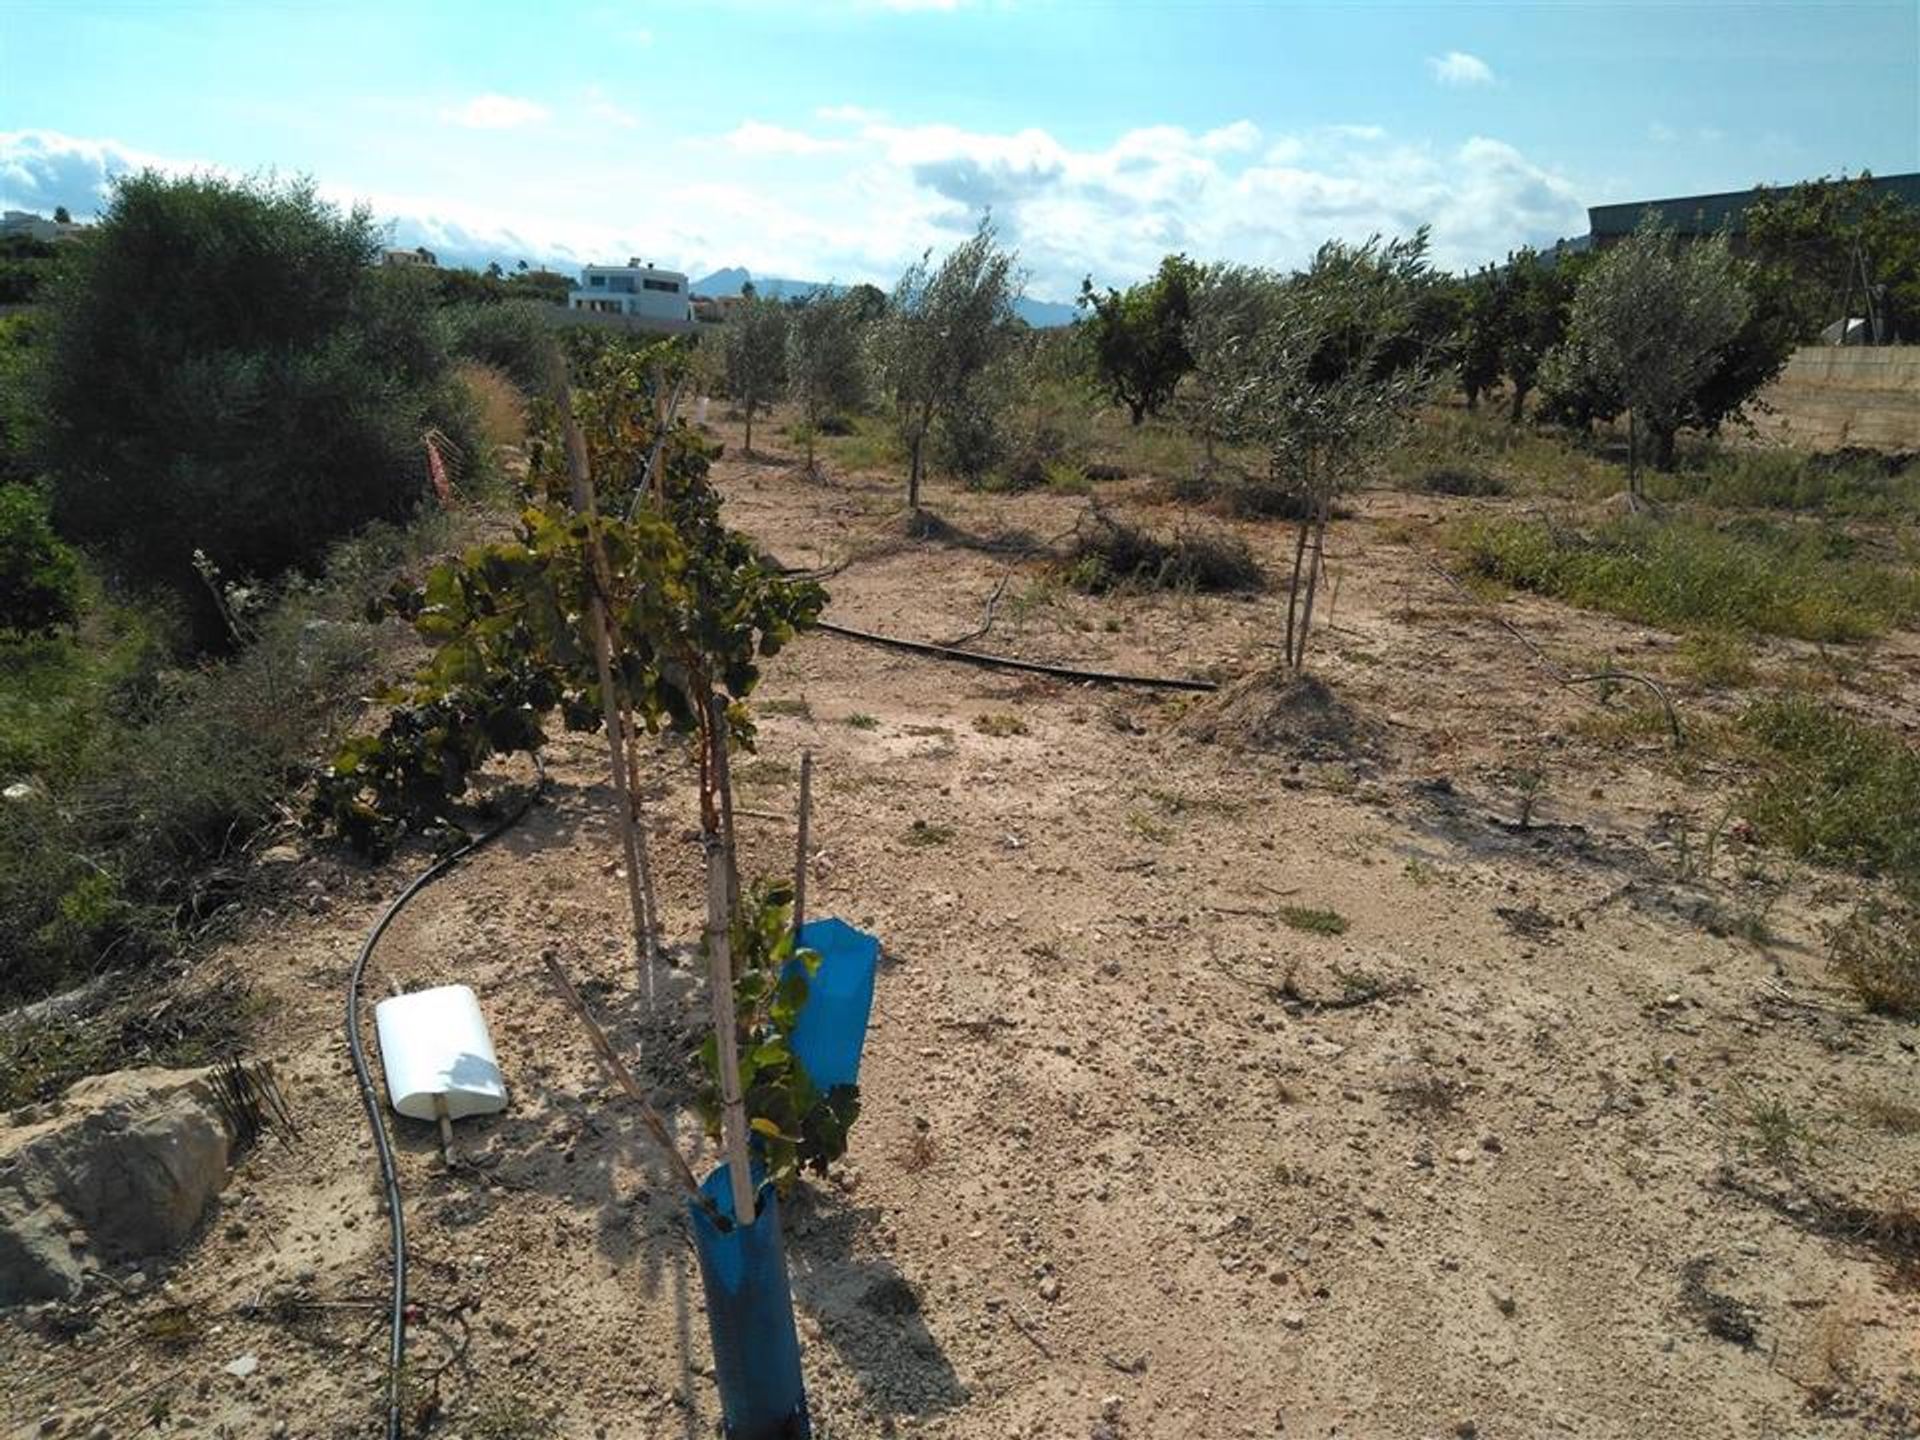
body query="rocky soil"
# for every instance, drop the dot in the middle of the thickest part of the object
(1537, 1145)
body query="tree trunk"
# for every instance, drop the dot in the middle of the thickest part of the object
(1519, 405)
(1293, 583)
(1139, 410)
(749, 449)
(1473, 397)
(913, 473)
(1633, 458)
(1313, 584)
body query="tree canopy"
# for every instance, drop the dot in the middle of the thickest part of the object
(1139, 337)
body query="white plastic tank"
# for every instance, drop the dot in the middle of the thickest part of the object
(434, 1046)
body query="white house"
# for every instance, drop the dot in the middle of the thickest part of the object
(634, 289)
(25, 222)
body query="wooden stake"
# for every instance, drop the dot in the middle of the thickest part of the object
(614, 1066)
(630, 839)
(733, 1112)
(800, 850)
(446, 1129)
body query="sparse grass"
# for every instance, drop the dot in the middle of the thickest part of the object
(499, 407)
(1885, 1113)
(1622, 725)
(1521, 459)
(1457, 480)
(1687, 574)
(1421, 872)
(1850, 483)
(1717, 660)
(1000, 725)
(860, 720)
(1426, 1093)
(1113, 555)
(1313, 921)
(1876, 951)
(872, 444)
(924, 834)
(1835, 789)
(798, 708)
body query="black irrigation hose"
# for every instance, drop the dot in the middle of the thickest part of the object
(1008, 662)
(370, 1100)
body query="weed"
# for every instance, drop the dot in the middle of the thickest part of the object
(860, 720)
(1835, 789)
(1779, 1133)
(1148, 828)
(798, 708)
(1000, 725)
(924, 834)
(504, 1415)
(1846, 484)
(1683, 572)
(919, 1152)
(1313, 921)
(1725, 1317)
(1421, 872)
(1876, 950)
(1424, 1093)
(762, 770)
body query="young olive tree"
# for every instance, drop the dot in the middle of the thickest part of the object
(1650, 323)
(755, 350)
(1139, 338)
(1230, 305)
(1327, 381)
(942, 332)
(825, 371)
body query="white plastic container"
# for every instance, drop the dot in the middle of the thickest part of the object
(700, 410)
(434, 1046)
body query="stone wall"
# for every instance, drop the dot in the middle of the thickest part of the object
(1830, 396)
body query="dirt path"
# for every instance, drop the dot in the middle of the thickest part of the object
(1117, 1173)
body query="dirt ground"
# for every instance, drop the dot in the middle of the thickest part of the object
(1136, 1158)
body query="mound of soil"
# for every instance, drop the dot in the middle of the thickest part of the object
(1289, 714)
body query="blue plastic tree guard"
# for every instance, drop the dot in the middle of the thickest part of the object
(756, 1350)
(832, 1029)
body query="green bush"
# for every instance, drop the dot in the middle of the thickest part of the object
(1835, 789)
(39, 576)
(514, 338)
(226, 371)
(1682, 572)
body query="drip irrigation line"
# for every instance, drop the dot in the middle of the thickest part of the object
(370, 1100)
(1008, 662)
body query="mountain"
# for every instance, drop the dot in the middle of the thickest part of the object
(1041, 314)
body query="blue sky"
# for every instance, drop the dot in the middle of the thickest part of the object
(840, 140)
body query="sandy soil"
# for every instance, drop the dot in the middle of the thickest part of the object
(1136, 1158)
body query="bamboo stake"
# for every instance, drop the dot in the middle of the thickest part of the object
(800, 850)
(733, 1112)
(617, 1068)
(630, 840)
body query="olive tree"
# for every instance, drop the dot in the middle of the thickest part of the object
(1230, 305)
(1650, 323)
(942, 333)
(755, 349)
(824, 366)
(1325, 382)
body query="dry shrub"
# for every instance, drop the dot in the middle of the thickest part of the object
(497, 402)
(1111, 555)
(1279, 711)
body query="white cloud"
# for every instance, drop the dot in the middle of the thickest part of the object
(848, 114)
(1458, 68)
(753, 137)
(606, 112)
(863, 203)
(495, 112)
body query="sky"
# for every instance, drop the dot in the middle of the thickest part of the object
(840, 141)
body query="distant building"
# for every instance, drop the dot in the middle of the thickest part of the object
(636, 290)
(419, 255)
(33, 227)
(1694, 217)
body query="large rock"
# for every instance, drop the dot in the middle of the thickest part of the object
(123, 1163)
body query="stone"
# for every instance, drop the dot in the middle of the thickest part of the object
(128, 1161)
(1294, 1320)
(243, 1366)
(1050, 1288)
